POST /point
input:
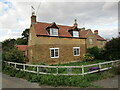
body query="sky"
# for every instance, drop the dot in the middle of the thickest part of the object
(102, 16)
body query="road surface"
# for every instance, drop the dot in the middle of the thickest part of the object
(13, 82)
(108, 83)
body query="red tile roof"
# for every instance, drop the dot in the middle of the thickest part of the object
(100, 38)
(22, 47)
(40, 29)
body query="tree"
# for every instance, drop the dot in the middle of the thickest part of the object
(14, 55)
(8, 44)
(25, 35)
(113, 48)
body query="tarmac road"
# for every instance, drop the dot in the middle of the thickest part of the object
(13, 82)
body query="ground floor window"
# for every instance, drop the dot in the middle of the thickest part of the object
(76, 51)
(54, 52)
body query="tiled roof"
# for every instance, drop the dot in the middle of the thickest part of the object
(100, 38)
(40, 29)
(22, 47)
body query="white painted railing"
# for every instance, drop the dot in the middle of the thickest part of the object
(83, 69)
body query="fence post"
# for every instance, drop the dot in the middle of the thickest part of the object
(82, 70)
(37, 70)
(15, 65)
(112, 63)
(57, 70)
(99, 66)
(23, 67)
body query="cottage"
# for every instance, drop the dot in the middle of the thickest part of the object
(51, 43)
(92, 39)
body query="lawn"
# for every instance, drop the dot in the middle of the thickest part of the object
(81, 63)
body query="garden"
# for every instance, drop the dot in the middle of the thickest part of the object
(94, 55)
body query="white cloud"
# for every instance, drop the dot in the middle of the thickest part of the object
(96, 15)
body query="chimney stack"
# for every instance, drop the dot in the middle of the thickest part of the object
(33, 18)
(96, 32)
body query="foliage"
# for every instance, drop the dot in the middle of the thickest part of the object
(8, 44)
(88, 57)
(21, 41)
(14, 55)
(98, 53)
(74, 81)
(113, 49)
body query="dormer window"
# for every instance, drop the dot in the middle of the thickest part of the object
(53, 32)
(75, 34)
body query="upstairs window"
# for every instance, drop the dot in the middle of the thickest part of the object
(53, 32)
(102, 43)
(76, 51)
(54, 52)
(90, 41)
(75, 34)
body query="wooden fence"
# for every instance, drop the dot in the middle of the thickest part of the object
(62, 70)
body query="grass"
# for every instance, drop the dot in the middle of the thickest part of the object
(80, 63)
(63, 81)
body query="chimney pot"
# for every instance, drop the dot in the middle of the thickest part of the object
(96, 32)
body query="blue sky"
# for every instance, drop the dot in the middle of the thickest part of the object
(102, 16)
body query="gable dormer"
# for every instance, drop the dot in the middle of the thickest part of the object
(53, 29)
(74, 31)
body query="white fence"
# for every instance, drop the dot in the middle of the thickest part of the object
(62, 70)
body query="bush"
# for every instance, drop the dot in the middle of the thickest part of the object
(98, 53)
(88, 57)
(113, 49)
(14, 55)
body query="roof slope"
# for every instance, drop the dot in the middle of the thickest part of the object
(40, 29)
(22, 47)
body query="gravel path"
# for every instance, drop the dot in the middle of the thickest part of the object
(108, 83)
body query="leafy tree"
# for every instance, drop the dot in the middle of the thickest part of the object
(25, 35)
(97, 52)
(8, 44)
(21, 41)
(113, 48)
(14, 55)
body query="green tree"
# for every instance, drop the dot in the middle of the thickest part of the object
(14, 55)
(8, 44)
(25, 35)
(113, 48)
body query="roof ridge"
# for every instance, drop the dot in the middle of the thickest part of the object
(56, 24)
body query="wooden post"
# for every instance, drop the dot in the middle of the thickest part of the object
(82, 70)
(57, 70)
(23, 67)
(99, 66)
(37, 70)
(15, 65)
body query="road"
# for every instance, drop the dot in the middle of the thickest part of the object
(13, 82)
(108, 83)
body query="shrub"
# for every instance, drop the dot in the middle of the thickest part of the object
(88, 57)
(14, 55)
(98, 53)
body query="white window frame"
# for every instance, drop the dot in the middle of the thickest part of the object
(74, 33)
(54, 52)
(90, 38)
(53, 30)
(74, 49)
